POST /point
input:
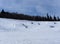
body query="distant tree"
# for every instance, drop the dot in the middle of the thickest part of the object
(51, 18)
(34, 18)
(55, 18)
(2, 11)
(58, 18)
(43, 18)
(48, 17)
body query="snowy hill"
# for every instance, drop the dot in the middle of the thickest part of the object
(29, 32)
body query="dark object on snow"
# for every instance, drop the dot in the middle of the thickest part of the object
(38, 23)
(52, 26)
(25, 26)
(31, 22)
(54, 22)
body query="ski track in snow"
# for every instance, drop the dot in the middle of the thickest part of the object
(29, 32)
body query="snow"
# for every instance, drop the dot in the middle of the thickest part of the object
(29, 32)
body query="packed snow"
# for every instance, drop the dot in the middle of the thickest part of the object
(29, 32)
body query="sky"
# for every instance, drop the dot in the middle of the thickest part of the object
(32, 7)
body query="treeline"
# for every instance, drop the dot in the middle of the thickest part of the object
(4, 14)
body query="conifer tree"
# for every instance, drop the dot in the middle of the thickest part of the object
(55, 18)
(2, 11)
(48, 17)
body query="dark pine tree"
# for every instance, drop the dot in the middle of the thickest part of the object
(58, 18)
(55, 19)
(2, 11)
(48, 17)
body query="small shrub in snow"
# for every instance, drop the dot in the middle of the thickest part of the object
(54, 22)
(31, 22)
(25, 26)
(38, 23)
(52, 26)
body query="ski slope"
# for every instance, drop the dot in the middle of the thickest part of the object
(29, 32)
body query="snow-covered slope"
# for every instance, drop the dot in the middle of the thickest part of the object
(29, 32)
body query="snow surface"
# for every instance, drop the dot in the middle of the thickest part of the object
(29, 32)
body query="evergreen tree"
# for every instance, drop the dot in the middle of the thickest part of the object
(55, 18)
(48, 17)
(58, 18)
(2, 11)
